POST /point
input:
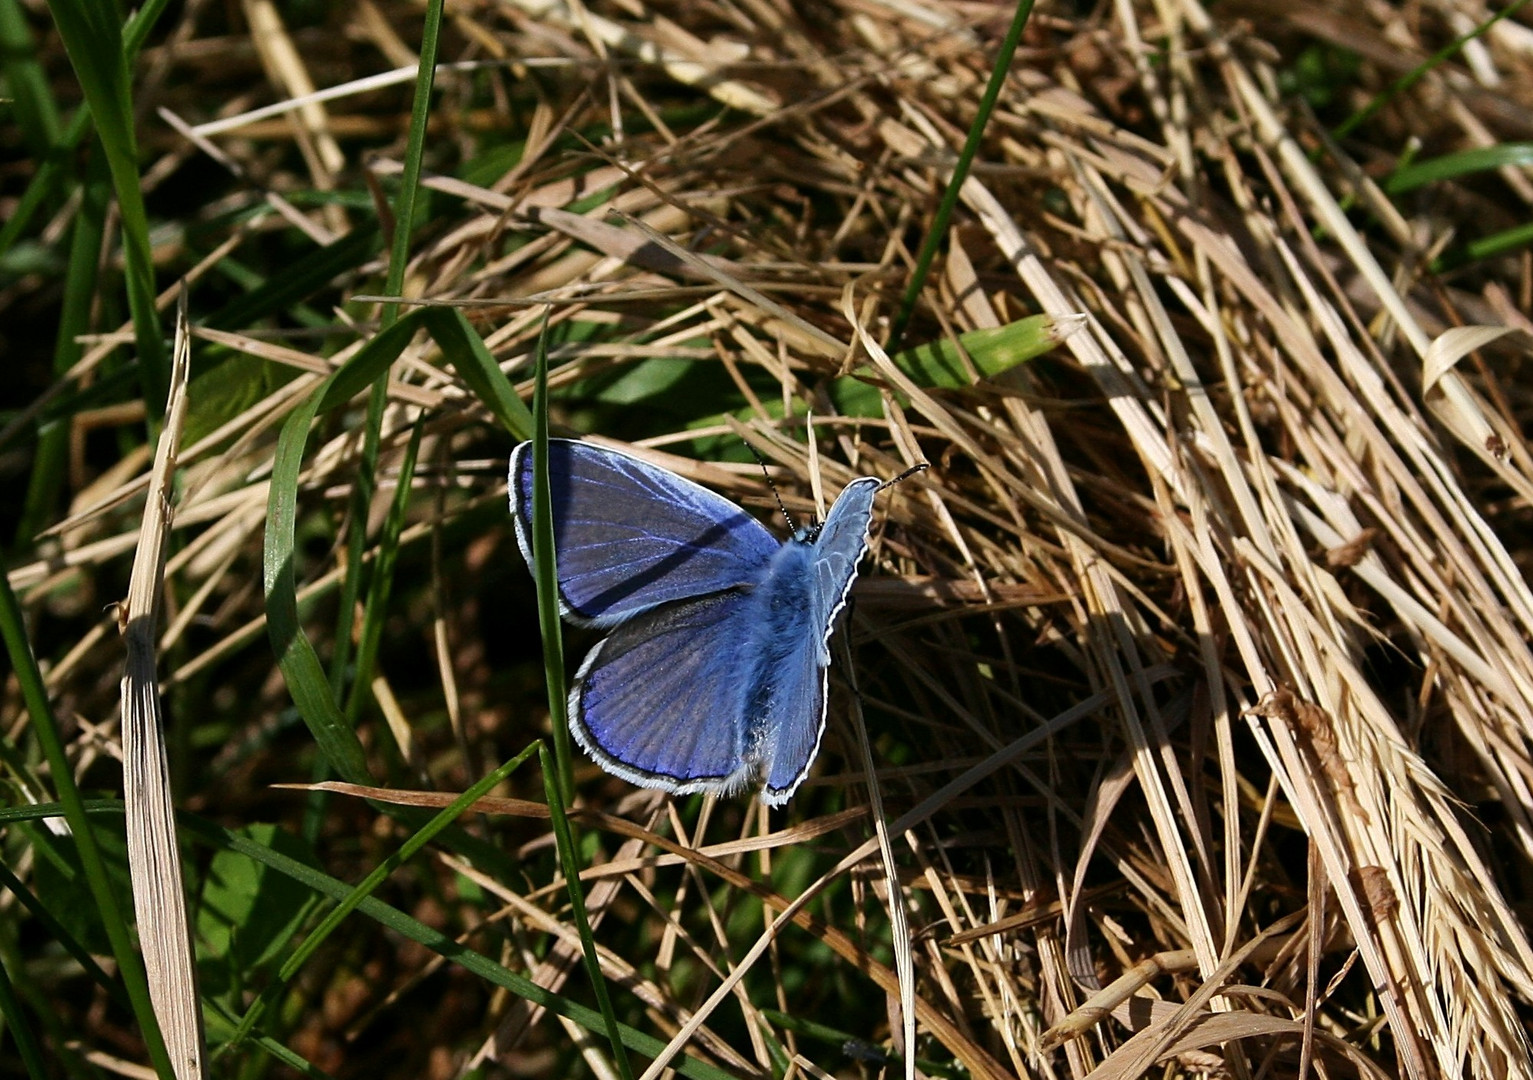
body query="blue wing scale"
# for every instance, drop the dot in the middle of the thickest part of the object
(631, 536)
(660, 702)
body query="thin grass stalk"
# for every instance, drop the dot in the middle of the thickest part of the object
(32, 102)
(54, 169)
(19, 1028)
(1421, 71)
(546, 574)
(559, 774)
(55, 929)
(364, 484)
(306, 678)
(899, 920)
(954, 189)
(80, 282)
(409, 182)
(380, 582)
(569, 860)
(399, 257)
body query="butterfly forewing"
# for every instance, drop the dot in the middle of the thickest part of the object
(630, 536)
(661, 702)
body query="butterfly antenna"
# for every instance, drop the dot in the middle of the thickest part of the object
(906, 475)
(792, 525)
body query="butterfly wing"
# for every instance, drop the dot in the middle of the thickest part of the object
(794, 720)
(661, 702)
(631, 536)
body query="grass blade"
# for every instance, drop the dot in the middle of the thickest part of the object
(80, 281)
(306, 679)
(950, 196)
(154, 863)
(441, 943)
(94, 41)
(564, 833)
(399, 256)
(1420, 71)
(368, 885)
(18, 1028)
(546, 575)
(45, 728)
(559, 773)
(380, 584)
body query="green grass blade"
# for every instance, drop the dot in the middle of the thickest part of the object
(940, 364)
(409, 183)
(45, 729)
(362, 488)
(306, 679)
(221, 839)
(221, 1030)
(53, 172)
(399, 257)
(1518, 155)
(20, 1029)
(441, 943)
(960, 172)
(546, 574)
(282, 291)
(45, 486)
(380, 582)
(301, 668)
(368, 885)
(1420, 71)
(569, 861)
(559, 773)
(56, 931)
(93, 39)
(1486, 247)
(465, 349)
(32, 104)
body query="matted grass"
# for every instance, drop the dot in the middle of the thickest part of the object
(1194, 673)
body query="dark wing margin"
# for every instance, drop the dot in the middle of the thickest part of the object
(631, 536)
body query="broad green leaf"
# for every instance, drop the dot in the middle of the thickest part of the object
(247, 913)
(939, 364)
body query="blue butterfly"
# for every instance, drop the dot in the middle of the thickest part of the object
(713, 678)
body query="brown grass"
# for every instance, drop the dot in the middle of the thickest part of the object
(1210, 677)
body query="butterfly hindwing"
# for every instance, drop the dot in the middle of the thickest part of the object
(661, 701)
(631, 536)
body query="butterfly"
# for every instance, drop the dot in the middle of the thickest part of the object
(713, 677)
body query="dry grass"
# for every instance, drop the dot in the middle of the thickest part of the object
(1196, 668)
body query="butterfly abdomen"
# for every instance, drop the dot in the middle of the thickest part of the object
(781, 605)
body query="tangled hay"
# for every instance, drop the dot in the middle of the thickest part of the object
(1196, 669)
